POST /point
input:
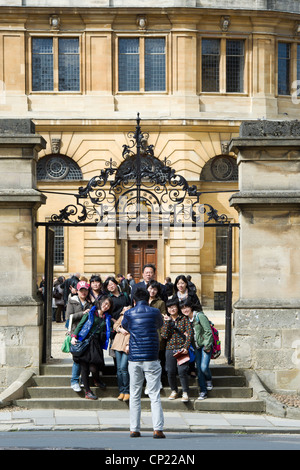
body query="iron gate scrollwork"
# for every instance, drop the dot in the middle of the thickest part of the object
(142, 181)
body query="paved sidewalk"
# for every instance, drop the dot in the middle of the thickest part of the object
(101, 420)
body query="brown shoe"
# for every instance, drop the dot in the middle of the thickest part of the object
(158, 435)
(126, 397)
(121, 396)
(135, 434)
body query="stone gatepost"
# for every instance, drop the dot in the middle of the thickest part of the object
(266, 329)
(20, 309)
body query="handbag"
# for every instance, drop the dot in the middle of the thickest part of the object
(78, 348)
(181, 357)
(66, 344)
(67, 341)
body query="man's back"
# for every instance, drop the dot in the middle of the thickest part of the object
(142, 322)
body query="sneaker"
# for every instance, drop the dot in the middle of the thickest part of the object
(146, 391)
(209, 385)
(173, 395)
(76, 387)
(185, 397)
(90, 396)
(202, 396)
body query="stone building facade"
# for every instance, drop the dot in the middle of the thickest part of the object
(194, 71)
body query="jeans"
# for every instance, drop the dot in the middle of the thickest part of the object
(203, 370)
(151, 370)
(183, 370)
(75, 373)
(122, 371)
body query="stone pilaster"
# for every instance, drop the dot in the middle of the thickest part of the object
(20, 309)
(267, 315)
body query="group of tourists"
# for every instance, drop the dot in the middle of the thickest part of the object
(149, 328)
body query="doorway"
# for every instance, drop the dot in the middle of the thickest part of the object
(141, 252)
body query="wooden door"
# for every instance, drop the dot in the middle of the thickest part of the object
(140, 253)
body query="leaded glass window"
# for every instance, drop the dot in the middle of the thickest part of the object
(129, 64)
(220, 168)
(219, 300)
(48, 51)
(155, 64)
(284, 56)
(148, 53)
(298, 62)
(210, 64)
(42, 64)
(59, 246)
(234, 66)
(58, 167)
(221, 246)
(68, 64)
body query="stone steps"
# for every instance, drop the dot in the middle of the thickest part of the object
(221, 405)
(51, 390)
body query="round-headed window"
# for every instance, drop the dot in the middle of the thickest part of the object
(58, 167)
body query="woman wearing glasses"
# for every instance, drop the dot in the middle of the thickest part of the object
(177, 332)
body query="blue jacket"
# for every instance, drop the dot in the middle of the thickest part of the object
(142, 322)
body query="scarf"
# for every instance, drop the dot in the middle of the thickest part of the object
(87, 325)
(107, 330)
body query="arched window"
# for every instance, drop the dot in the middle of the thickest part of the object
(220, 168)
(56, 167)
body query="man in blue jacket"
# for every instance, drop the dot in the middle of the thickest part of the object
(142, 322)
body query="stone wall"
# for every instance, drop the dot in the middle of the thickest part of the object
(20, 310)
(267, 315)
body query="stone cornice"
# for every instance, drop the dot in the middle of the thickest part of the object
(291, 6)
(265, 198)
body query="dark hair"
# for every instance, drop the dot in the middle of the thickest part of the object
(149, 265)
(141, 294)
(99, 303)
(187, 303)
(173, 301)
(178, 278)
(112, 279)
(155, 285)
(96, 278)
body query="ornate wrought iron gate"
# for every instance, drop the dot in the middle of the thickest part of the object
(143, 192)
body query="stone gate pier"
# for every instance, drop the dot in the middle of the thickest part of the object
(266, 330)
(20, 309)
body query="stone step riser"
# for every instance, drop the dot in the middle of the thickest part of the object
(213, 405)
(110, 370)
(64, 381)
(67, 392)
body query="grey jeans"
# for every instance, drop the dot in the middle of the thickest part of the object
(151, 370)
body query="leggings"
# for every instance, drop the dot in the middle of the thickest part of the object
(172, 367)
(86, 368)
